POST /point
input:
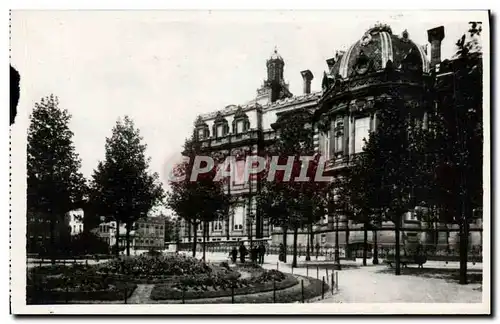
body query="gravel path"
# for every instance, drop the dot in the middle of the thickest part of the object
(141, 294)
(377, 284)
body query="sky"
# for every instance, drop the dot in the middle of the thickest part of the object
(163, 68)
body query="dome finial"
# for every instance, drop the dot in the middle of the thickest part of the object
(379, 27)
(276, 55)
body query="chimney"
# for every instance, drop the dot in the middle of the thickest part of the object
(330, 62)
(435, 37)
(307, 76)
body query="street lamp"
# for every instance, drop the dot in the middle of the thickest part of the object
(337, 252)
(308, 246)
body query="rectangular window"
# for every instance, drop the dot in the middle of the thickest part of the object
(339, 141)
(217, 225)
(238, 216)
(220, 131)
(201, 133)
(239, 173)
(239, 127)
(326, 145)
(361, 132)
(339, 136)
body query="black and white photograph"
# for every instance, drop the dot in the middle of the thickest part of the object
(263, 161)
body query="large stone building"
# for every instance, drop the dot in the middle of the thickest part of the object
(345, 111)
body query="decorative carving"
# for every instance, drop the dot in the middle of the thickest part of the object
(405, 36)
(328, 81)
(199, 122)
(362, 64)
(338, 55)
(324, 124)
(219, 156)
(219, 118)
(366, 39)
(239, 113)
(379, 27)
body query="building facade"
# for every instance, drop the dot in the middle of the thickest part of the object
(39, 228)
(354, 88)
(146, 234)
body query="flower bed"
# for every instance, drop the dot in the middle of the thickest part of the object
(74, 284)
(155, 267)
(222, 285)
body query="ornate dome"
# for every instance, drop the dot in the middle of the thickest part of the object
(375, 48)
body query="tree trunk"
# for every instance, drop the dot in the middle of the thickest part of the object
(195, 238)
(52, 241)
(346, 247)
(365, 243)
(285, 232)
(464, 242)
(375, 246)
(295, 237)
(397, 255)
(204, 247)
(228, 221)
(127, 239)
(117, 238)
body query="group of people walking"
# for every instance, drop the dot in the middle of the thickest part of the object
(257, 253)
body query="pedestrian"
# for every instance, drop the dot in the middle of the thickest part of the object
(243, 252)
(262, 252)
(317, 250)
(282, 252)
(254, 253)
(234, 254)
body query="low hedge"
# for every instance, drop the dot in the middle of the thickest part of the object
(166, 292)
(314, 289)
(293, 295)
(117, 292)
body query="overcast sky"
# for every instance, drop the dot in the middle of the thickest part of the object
(164, 68)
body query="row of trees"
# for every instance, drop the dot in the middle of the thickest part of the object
(409, 163)
(122, 188)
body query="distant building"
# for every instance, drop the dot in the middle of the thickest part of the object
(75, 221)
(39, 228)
(150, 233)
(146, 234)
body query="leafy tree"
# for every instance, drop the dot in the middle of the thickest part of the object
(170, 229)
(387, 163)
(123, 188)
(291, 203)
(459, 138)
(200, 201)
(55, 184)
(364, 183)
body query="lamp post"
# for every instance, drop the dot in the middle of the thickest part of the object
(308, 246)
(337, 252)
